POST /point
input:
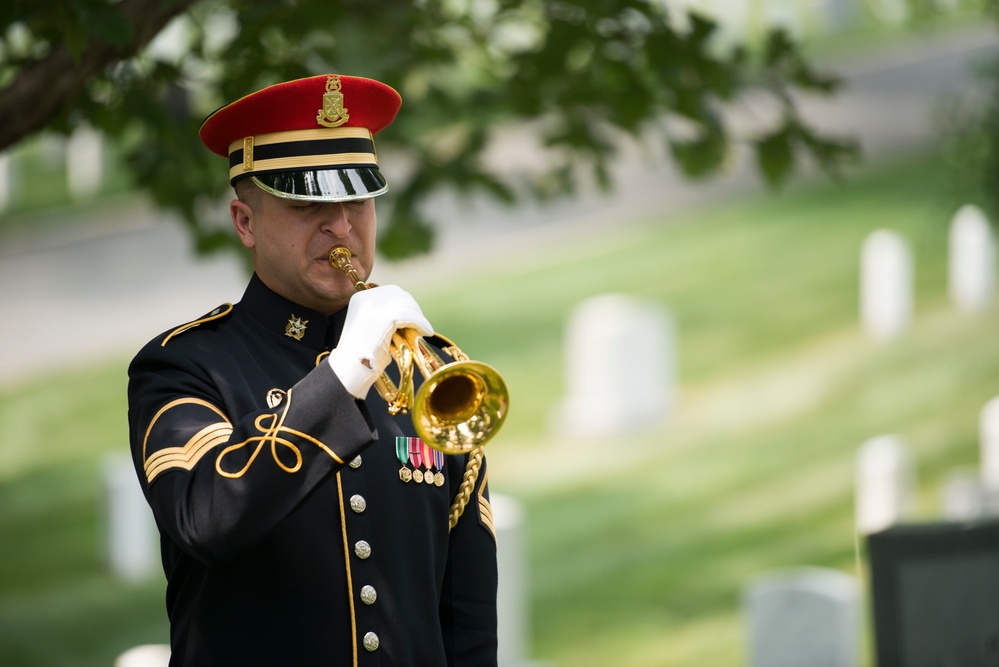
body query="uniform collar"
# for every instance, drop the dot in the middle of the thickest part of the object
(286, 318)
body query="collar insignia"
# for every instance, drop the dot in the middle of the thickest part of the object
(333, 114)
(295, 327)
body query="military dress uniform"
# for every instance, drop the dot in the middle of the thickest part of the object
(299, 525)
(288, 534)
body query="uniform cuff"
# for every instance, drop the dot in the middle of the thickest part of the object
(353, 375)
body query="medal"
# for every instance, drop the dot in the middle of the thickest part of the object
(416, 457)
(439, 462)
(402, 453)
(428, 456)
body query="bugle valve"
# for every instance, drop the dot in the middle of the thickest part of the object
(460, 405)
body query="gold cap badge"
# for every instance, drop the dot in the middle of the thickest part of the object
(333, 114)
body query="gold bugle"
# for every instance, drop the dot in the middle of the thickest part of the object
(460, 405)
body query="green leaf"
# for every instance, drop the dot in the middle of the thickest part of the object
(106, 22)
(703, 154)
(407, 234)
(580, 73)
(775, 155)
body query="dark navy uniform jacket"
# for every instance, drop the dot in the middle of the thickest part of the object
(288, 537)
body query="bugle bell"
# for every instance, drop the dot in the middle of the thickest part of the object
(460, 405)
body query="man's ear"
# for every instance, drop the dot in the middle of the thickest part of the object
(242, 221)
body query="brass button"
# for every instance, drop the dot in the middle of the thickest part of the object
(358, 503)
(368, 595)
(371, 641)
(362, 549)
(355, 462)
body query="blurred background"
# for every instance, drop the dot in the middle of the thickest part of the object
(734, 258)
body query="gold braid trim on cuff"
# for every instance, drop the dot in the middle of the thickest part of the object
(467, 486)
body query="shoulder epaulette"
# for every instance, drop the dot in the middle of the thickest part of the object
(216, 314)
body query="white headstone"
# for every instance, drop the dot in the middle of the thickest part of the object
(511, 600)
(803, 617)
(885, 285)
(52, 151)
(4, 181)
(989, 454)
(885, 483)
(132, 539)
(971, 265)
(84, 162)
(963, 496)
(889, 11)
(146, 655)
(620, 366)
(840, 14)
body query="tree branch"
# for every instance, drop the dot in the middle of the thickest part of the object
(44, 88)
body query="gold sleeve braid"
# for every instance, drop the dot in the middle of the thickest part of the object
(467, 486)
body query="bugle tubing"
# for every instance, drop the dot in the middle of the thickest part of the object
(460, 405)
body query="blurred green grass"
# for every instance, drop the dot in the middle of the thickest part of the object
(639, 546)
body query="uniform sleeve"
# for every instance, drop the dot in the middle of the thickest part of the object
(468, 600)
(216, 484)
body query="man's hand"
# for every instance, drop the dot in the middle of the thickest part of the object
(373, 315)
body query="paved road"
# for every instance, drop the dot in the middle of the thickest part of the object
(101, 288)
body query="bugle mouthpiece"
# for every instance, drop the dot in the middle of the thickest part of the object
(340, 258)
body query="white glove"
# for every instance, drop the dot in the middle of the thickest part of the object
(373, 315)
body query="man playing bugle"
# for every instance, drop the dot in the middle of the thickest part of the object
(301, 524)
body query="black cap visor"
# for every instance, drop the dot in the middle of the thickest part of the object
(344, 184)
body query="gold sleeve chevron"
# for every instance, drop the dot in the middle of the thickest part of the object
(186, 456)
(485, 508)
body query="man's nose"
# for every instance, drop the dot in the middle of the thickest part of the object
(334, 219)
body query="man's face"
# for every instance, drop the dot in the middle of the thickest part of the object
(291, 242)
